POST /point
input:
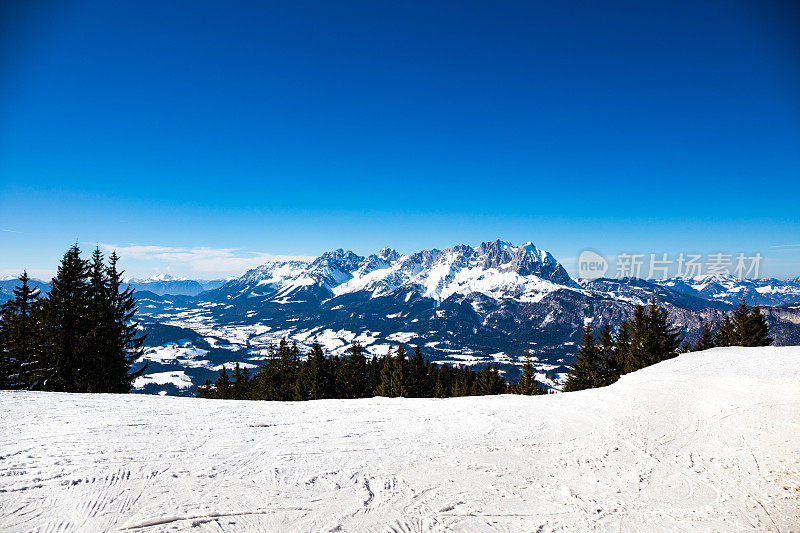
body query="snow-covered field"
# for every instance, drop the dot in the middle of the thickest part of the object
(709, 441)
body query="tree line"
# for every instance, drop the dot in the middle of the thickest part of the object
(81, 337)
(285, 376)
(649, 338)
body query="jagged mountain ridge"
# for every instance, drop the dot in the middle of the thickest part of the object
(468, 305)
(497, 269)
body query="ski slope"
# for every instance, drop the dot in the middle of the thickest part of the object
(709, 441)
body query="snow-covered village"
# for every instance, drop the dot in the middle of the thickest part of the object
(381, 267)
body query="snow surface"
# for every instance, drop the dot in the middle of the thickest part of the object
(704, 442)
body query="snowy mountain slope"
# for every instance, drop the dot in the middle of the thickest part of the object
(497, 269)
(701, 442)
(731, 290)
(467, 305)
(163, 284)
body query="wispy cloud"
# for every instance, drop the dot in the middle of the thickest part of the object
(786, 246)
(9, 230)
(200, 259)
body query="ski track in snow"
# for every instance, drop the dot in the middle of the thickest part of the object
(705, 442)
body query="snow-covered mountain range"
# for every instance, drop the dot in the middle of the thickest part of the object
(163, 284)
(465, 304)
(469, 305)
(496, 269)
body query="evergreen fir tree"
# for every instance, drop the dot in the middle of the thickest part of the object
(527, 382)
(489, 381)
(585, 372)
(758, 330)
(311, 381)
(622, 345)
(99, 341)
(635, 357)
(725, 334)
(385, 387)
(354, 373)
(65, 362)
(241, 383)
(610, 369)
(399, 365)
(749, 327)
(204, 390)
(222, 387)
(418, 386)
(124, 340)
(20, 336)
(444, 382)
(705, 341)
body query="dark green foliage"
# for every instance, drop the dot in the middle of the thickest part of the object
(646, 339)
(705, 341)
(490, 382)
(312, 379)
(653, 338)
(527, 383)
(610, 362)
(749, 327)
(399, 371)
(757, 329)
(725, 334)
(585, 372)
(745, 326)
(385, 386)
(67, 327)
(122, 344)
(20, 337)
(354, 376)
(419, 383)
(81, 338)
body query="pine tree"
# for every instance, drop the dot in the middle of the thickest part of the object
(758, 330)
(399, 365)
(205, 390)
(385, 387)
(7, 363)
(311, 381)
(725, 334)
(124, 340)
(418, 386)
(527, 381)
(99, 340)
(266, 381)
(610, 369)
(222, 388)
(288, 358)
(749, 327)
(663, 339)
(653, 338)
(585, 373)
(705, 341)
(635, 356)
(20, 336)
(241, 383)
(65, 362)
(622, 345)
(489, 381)
(444, 382)
(354, 373)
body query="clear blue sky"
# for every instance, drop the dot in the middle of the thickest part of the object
(200, 137)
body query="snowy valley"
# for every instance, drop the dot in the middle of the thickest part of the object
(465, 305)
